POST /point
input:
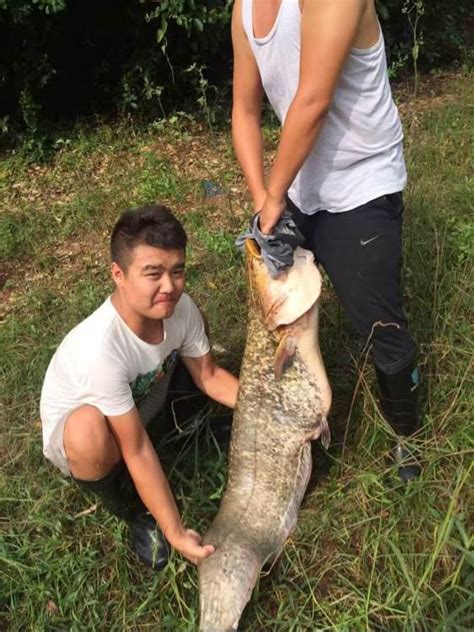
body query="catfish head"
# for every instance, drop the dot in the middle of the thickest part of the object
(284, 299)
(287, 303)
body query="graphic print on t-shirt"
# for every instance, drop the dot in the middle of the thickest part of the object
(142, 384)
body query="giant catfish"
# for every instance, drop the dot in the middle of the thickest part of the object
(283, 402)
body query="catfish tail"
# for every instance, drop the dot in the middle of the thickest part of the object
(226, 581)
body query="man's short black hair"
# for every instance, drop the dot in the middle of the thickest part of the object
(151, 225)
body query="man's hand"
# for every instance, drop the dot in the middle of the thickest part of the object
(270, 213)
(188, 543)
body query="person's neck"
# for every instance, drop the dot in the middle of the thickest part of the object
(147, 329)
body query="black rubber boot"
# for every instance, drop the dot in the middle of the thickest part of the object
(399, 398)
(118, 494)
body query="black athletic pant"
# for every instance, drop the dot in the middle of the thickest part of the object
(361, 253)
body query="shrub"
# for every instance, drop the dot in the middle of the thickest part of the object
(68, 58)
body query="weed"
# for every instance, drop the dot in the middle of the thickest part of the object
(158, 181)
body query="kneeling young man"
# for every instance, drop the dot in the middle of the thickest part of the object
(92, 428)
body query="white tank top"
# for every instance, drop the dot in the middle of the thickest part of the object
(358, 155)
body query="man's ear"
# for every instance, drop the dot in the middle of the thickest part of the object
(117, 274)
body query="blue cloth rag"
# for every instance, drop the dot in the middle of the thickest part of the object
(278, 247)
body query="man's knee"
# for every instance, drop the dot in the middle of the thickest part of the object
(88, 440)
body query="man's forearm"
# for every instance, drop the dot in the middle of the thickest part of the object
(302, 126)
(222, 387)
(153, 487)
(248, 145)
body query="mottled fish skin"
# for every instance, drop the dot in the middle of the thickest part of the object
(269, 464)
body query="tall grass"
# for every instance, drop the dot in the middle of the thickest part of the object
(368, 553)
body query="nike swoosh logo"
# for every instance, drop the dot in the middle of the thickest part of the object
(364, 242)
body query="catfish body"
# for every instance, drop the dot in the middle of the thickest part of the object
(284, 397)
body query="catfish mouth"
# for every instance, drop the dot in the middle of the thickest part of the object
(252, 249)
(259, 280)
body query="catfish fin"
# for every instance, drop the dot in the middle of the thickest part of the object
(284, 355)
(325, 435)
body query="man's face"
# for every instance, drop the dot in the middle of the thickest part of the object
(153, 282)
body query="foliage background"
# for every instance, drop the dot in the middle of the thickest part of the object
(62, 59)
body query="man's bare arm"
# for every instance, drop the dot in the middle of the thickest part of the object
(152, 485)
(328, 30)
(246, 109)
(212, 379)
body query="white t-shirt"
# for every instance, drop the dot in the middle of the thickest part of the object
(102, 362)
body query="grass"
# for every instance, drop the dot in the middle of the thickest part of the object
(367, 554)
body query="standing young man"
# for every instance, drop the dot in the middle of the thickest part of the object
(339, 166)
(105, 367)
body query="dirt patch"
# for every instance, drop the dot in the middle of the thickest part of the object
(68, 261)
(193, 152)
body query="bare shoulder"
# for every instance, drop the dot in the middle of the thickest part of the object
(329, 29)
(357, 16)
